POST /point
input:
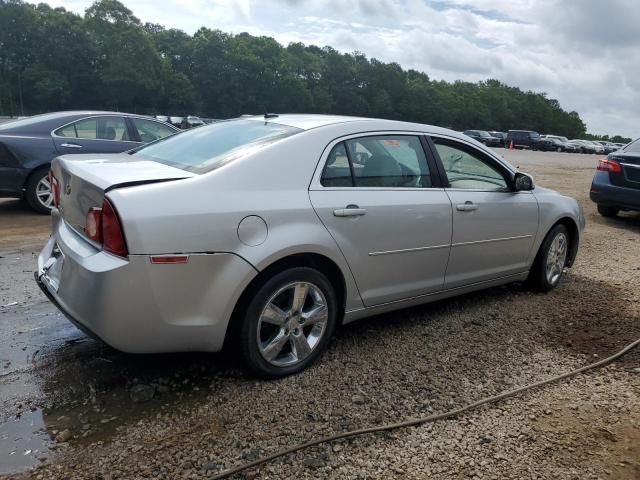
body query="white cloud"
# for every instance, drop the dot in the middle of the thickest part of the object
(585, 54)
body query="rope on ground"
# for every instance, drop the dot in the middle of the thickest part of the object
(422, 420)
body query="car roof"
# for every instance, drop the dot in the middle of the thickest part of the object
(363, 124)
(47, 122)
(311, 121)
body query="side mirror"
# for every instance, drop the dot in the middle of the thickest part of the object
(522, 182)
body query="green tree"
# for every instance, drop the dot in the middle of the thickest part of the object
(53, 59)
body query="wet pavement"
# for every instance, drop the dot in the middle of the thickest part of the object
(54, 378)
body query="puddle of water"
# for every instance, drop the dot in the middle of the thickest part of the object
(24, 442)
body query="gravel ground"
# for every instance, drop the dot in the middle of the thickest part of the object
(205, 414)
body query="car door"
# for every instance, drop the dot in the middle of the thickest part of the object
(381, 199)
(494, 227)
(97, 134)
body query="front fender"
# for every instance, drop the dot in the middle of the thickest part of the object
(555, 208)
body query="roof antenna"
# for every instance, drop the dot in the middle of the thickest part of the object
(270, 115)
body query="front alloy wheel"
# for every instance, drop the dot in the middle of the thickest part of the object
(551, 260)
(556, 258)
(288, 322)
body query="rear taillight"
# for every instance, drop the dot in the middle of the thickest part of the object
(55, 189)
(112, 235)
(103, 226)
(606, 165)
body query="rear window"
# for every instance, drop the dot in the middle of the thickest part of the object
(209, 147)
(633, 147)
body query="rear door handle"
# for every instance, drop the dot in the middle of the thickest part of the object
(466, 207)
(70, 145)
(350, 211)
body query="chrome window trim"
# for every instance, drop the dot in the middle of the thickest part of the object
(316, 183)
(378, 189)
(123, 116)
(510, 192)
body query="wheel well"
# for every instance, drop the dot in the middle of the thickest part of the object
(34, 172)
(321, 263)
(574, 238)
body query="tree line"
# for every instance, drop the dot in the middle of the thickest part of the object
(53, 59)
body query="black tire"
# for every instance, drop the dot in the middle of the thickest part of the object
(248, 331)
(31, 194)
(607, 211)
(538, 279)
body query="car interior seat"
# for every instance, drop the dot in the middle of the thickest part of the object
(381, 171)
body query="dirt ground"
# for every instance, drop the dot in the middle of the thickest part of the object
(68, 405)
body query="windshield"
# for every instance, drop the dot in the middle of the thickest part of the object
(209, 147)
(482, 133)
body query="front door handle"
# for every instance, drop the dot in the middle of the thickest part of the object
(70, 145)
(350, 211)
(466, 207)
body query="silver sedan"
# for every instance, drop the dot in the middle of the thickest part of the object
(269, 231)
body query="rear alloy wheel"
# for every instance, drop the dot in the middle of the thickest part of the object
(38, 192)
(549, 264)
(608, 212)
(288, 322)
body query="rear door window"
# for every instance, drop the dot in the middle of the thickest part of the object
(97, 128)
(633, 147)
(391, 161)
(150, 131)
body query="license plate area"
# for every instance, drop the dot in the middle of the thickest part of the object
(52, 268)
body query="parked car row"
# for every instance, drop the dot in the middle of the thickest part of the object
(28, 146)
(529, 139)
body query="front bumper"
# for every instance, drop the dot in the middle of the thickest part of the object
(603, 193)
(136, 306)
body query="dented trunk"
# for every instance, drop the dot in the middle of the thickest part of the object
(83, 180)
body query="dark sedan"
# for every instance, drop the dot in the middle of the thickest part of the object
(483, 137)
(550, 144)
(501, 136)
(616, 183)
(28, 146)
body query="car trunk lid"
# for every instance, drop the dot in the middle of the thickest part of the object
(630, 175)
(83, 180)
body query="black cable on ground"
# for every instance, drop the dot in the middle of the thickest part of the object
(422, 420)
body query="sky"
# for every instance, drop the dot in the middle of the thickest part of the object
(584, 53)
